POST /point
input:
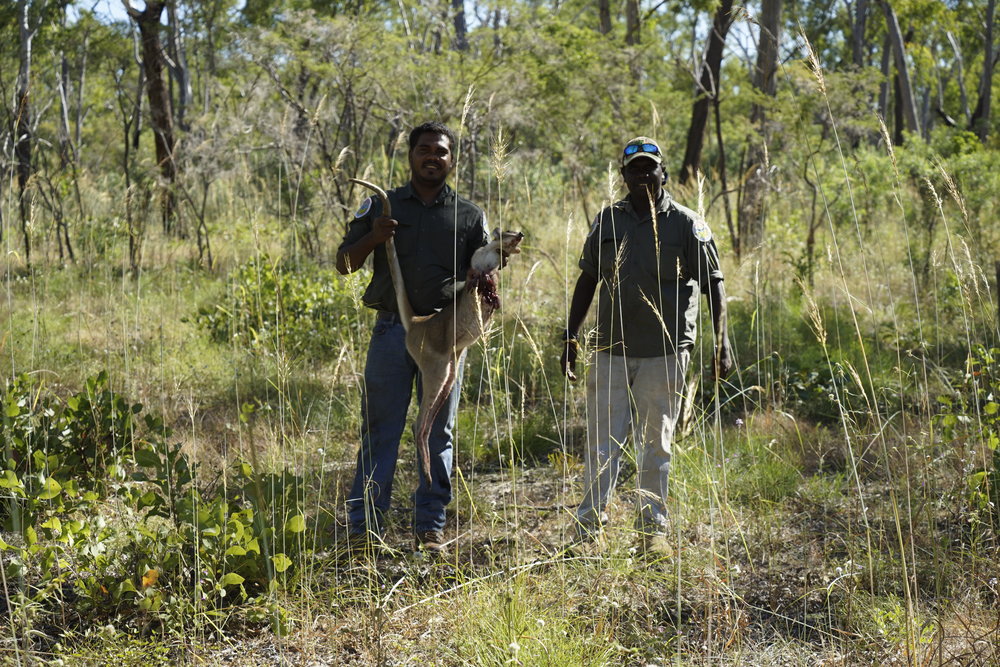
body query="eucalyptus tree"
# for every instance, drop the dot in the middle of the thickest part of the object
(753, 199)
(160, 106)
(708, 90)
(29, 17)
(979, 122)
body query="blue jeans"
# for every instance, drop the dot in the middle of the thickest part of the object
(389, 376)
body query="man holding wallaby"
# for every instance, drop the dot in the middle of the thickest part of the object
(435, 233)
(651, 258)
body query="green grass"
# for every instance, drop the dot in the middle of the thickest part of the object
(828, 511)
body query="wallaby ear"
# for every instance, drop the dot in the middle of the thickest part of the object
(496, 233)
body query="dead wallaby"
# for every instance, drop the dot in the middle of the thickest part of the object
(436, 341)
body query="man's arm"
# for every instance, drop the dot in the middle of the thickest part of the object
(350, 258)
(722, 364)
(583, 295)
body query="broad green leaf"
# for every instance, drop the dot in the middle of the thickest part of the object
(231, 579)
(236, 550)
(991, 408)
(9, 480)
(147, 458)
(296, 524)
(50, 490)
(30, 536)
(976, 480)
(281, 562)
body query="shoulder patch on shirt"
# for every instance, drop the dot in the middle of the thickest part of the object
(366, 206)
(702, 231)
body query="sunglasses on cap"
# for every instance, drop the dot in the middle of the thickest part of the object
(632, 149)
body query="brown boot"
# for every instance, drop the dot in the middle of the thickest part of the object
(431, 541)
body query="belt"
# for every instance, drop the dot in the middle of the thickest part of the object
(387, 316)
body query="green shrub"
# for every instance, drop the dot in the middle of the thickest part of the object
(971, 412)
(761, 469)
(54, 449)
(269, 307)
(171, 547)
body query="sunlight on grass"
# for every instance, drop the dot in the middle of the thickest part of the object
(834, 502)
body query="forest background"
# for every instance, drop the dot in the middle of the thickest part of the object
(181, 362)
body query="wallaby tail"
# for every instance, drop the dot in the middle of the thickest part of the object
(402, 302)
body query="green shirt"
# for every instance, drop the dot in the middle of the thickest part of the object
(648, 302)
(434, 242)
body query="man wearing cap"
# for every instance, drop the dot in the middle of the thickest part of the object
(650, 276)
(435, 232)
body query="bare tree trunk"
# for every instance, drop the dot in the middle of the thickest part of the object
(899, 123)
(22, 122)
(858, 33)
(604, 16)
(67, 156)
(129, 106)
(980, 121)
(883, 89)
(497, 41)
(905, 99)
(960, 65)
(753, 203)
(161, 115)
(80, 85)
(633, 24)
(179, 67)
(707, 89)
(461, 30)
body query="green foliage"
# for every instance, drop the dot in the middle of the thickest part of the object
(972, 412)
(270, 307)
(178, 548)
(761, 469)
(56, 451)
(512, 624)
(885, 620)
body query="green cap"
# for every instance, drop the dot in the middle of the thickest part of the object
(641, 147)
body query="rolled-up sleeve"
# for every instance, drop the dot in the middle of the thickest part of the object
(591, 251)
(361, 225)
(704, 262)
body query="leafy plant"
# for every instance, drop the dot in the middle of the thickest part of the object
(972, 411)
(177, 547)
(268, 306)
(58, 452)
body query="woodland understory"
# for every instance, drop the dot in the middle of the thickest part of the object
(181, 362)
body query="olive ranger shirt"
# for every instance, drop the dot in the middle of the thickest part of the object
(650, 279)
(434, 242)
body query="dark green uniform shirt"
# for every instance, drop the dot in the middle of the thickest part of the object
(651, 279)
(434, 242)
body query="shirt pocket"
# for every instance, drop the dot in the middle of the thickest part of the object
(406, 239)
(444, 247)
(612, 257)
(666, 266)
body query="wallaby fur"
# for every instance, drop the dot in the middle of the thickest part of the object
(437, 341)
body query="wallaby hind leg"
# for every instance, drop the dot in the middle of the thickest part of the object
(436, 384)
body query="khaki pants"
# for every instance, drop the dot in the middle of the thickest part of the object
(638, 397)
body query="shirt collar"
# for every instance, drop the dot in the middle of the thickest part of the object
(446, 196)
(663, 202)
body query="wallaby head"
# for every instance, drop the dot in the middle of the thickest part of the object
(488, 258)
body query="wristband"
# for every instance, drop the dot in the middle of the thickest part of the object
(568, 337)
